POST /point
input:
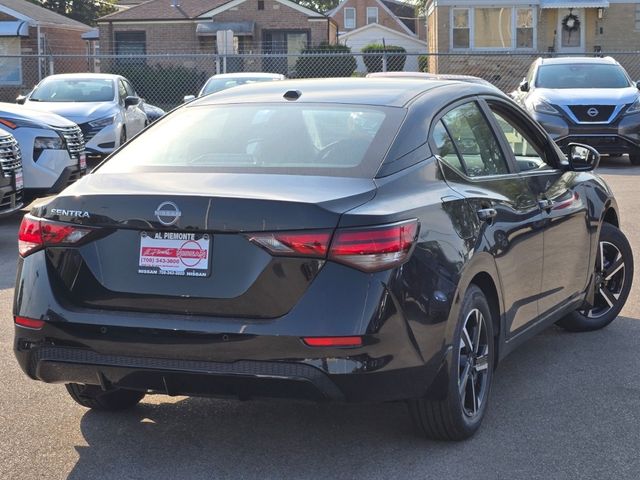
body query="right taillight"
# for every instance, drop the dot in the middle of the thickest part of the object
(35, 234)
(374, 248)
(369, 249)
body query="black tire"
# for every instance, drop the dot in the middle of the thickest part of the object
(123, 136)
(454, 414)
(634, 158)
(92, 396)
(613, 283)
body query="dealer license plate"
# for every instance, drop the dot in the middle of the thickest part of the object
(19, 180)
(175, 253)
(82, 161)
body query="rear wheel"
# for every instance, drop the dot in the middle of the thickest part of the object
(94, 397)
(613, 277)
(457, 414)
(635, 158)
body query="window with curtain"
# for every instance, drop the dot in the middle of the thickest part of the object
(349, 17)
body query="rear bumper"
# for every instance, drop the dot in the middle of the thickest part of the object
(351, 375)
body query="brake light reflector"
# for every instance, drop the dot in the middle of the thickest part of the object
(28, 322)
(305, 244)
(333, 341)
(375, 248)
(35, 234)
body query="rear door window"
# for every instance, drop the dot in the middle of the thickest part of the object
(475, 141)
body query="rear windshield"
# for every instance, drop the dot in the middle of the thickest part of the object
(333, 140)
(74, 90)
(219, 84)
(585, 75)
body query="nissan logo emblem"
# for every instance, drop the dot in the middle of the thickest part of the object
(592, 112)
(168, 213)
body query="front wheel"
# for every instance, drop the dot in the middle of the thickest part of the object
(458, 412)
(634, 158)
(613, 276)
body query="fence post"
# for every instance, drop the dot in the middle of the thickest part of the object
(52, 70)
(224, 64)
(384, 61)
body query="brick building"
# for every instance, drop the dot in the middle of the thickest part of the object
(28, 34)
(215, 26)
(526, 29)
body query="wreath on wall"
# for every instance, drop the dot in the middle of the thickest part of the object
(571, 22)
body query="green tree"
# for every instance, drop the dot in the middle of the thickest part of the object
(85, 11)
(322, 6)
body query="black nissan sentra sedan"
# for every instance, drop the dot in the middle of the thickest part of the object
(347, 240)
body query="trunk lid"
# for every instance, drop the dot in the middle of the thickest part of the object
(238, 278)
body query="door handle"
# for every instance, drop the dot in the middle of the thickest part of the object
(546, 204)
(487, 214)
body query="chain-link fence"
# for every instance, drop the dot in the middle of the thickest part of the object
(164, 80)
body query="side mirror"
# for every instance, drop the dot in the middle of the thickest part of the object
(189, 98)
(131, 101)
(638, 85)
(524, 86)
(21, 99)
(582, 158)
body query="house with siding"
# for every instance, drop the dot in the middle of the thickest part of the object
(28, 33)
(574, 27)
(388, 22)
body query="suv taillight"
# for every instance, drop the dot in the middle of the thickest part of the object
(369, 249)
(35, 234)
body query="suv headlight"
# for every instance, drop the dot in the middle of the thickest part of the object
(46, 143)
(540, 106)
(103, 122)
(635, 107)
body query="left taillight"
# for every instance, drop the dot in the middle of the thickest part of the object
(35, 234)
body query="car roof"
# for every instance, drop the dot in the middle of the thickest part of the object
(430, 76)
(573, 60)
(248, 75)
(392, 92)
(101, 76)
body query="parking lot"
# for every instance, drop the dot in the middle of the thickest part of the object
(563, 406)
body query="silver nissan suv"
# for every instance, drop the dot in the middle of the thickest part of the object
(584, 100)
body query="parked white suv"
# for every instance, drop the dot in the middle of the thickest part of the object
(11, 179)
(105, 107)
(52, 148)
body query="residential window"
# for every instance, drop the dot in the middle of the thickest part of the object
(260, 4)
(637, 16)
(372, 15)
(131, 43)
(524, 28)
(493, 28)
(10, 66)
(349, 17)
(461, 28)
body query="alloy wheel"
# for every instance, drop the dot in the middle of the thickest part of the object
(609, 279)
(473, 363)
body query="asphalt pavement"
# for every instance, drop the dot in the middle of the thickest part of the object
(563, 406)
